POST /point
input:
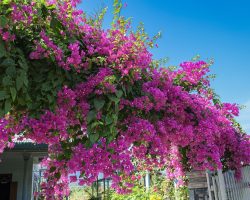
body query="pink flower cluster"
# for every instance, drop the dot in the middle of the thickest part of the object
(193, 72)
(23, 13)
(7, 36)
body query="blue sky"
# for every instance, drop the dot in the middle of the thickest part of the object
(212, 29)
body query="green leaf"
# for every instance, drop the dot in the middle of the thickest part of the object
(108, 105)
(7, 81)
(115, 118)
(108, 119)
(90, 64)
(8, 62)
(21, 101)
(7, 106)
(11, 70)
(116, 107)
(94, 137)
(13, 93)
(51, 7)
(94, 124)
(6, 2)
(52, 169)
(99, 103)
(25, 81)
(119, 93)
(3, 21)
(46, 86)
(91, 115)
(3, 95)
(55, 24)
(113, 98)
(44, 11)
(1, 113)
(23, 64)
(2, 49)
(23, 76)
(58, 175)
(19, 83)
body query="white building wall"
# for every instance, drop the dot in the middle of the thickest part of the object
(13, 163)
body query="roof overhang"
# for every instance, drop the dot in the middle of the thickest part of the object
(28, 147)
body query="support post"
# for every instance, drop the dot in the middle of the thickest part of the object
(97, 188)
(222, 184)
(26, 158)
(147, 181)
(215, 189)
(176, 195)
(209, 185)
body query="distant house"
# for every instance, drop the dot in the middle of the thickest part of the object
(16, 170)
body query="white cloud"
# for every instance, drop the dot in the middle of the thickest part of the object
(244, 118)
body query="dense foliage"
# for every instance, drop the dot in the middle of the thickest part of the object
(102, 104)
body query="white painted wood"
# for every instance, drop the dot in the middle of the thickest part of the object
(215, 189)
(147, 181)
(232, 189)
(209, 185)
(222, 185)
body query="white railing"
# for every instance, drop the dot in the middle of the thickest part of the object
(233, 188)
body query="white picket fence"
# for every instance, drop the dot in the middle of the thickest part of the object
(227, 187)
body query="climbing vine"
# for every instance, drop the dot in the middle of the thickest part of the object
(100, 102)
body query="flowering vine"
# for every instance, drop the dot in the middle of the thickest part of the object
(102, 105)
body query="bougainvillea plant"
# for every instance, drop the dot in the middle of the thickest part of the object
(100, 102)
